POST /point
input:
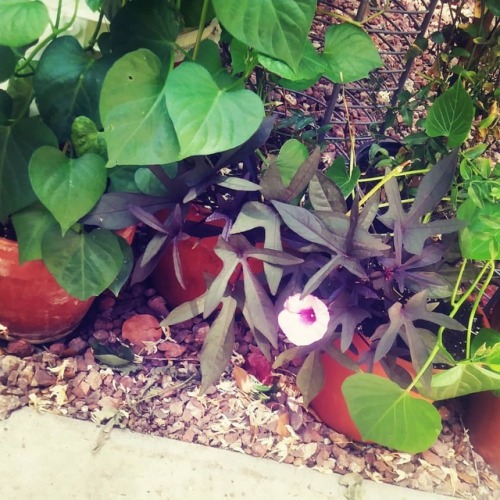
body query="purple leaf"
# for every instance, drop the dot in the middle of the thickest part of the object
(259, 306)
(434, 186)
(218, 346)
(112, 210)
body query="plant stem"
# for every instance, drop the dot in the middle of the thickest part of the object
(458, 282)
(401, 174)
(201, 27)
(93, 39)
(55, 33)
(456, 308)
(470, 324)
(345, 19)
(58, 15)
(403, 202)
(262, 157)
(382, 182)
(339, 17)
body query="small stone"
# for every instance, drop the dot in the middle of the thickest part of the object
(57, 348)
(101, 335)
(312, 436)
(176, 408)
(172, 350)
(149, 292)
(181, 335)
(444, 413)
(78, 345)
(81, 390)
(20, 348)
(157, 304)
(89, 357)
(43, 379)
(432, 458)
(200, 332)
(8, 404)
(440, 448)
(141, 328)
(189, 436)
(109, 402)
(9, 364)
(94, 380)
(26, 376)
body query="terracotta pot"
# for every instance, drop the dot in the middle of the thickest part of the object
(330, 404)
(482, 416)
(198, 259)
(33, 306)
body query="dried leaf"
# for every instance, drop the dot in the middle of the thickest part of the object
(242, 380)
(283, 424)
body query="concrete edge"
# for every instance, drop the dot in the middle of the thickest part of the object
(48, 456)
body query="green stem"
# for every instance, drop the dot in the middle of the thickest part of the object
(458, 282)
(262, 157)
(402, 174)
(456, 308)
(409, 200)
(58, 15)
(201, 27)
(382, 182)
(475, 305)
(55, 33)
(93, 39)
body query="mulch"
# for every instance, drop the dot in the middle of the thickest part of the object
(159, 394)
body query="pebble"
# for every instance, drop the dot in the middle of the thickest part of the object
(141, 328)
(42, 378)
(157, 304)
(77, 345)
(20, 348)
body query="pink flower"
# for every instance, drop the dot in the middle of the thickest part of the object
(304, 321)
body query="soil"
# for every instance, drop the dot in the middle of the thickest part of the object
(159, 394)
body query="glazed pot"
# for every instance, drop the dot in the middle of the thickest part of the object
(198, 261)
(329, 404)
(33, 306)
(482, 416)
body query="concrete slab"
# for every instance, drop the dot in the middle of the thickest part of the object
(43, 456)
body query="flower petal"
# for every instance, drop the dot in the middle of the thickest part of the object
(304, 321)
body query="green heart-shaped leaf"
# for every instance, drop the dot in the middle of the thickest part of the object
(69, 188)
(126, 269)
(23, 21)
(83, 264)
(68, 83)
(137, 127)
(349, 54)
(310, 68)
(464, 378)
(480, 239)
(17, 144)
(451, 115)
(291, 156)
(30, 225)
(386, 414)
(277, 28)
(208, 119)
(146, 24)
